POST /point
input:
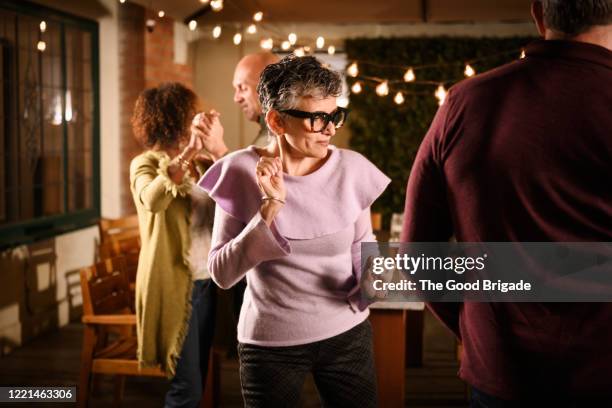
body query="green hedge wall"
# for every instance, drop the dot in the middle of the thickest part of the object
(390, 134)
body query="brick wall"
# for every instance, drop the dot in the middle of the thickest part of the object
(145, 60)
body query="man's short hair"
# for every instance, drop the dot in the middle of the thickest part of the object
(573, 17)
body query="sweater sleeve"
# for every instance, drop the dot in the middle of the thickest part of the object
(151, 184)
(236, 248)
(363, 233)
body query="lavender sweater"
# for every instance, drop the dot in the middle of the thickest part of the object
(303, 271)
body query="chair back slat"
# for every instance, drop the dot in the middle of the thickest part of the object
(105, 288)
(109, 227)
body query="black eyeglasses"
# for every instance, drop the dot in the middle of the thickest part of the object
(320, 120)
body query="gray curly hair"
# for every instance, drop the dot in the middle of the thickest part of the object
(284, 83)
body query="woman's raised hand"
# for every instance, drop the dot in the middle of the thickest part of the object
(207, 134)
(269, 173)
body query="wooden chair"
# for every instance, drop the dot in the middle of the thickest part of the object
(106, 305)
(107, 310)
(125, 225)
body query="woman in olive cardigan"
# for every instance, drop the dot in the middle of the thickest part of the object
(175, 299)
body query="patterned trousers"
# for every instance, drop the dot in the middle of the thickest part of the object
(342, 368)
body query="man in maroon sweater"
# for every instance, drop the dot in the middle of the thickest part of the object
(524, 153)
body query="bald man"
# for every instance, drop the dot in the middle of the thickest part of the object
(246, 78)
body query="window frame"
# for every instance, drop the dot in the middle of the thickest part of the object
(35, 229)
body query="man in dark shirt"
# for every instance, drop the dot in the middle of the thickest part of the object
(524, 153)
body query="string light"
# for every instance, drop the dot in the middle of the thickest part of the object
(356, 88)
(353, 70)
(237, 38)
(252, 29)
(382, 89)
(216, 32)
(409, 75)
(121, 1)
(292, 38)
(320, 42)
(440, 94)
(285, 45)
(399, 98)
(522, 54)
(41, 46)
(204, 1)
(43, 26)
(299, 52)
(258, 16)
(161, 13)
(266, 43)
(216, 5)
(331, 50)
(469, 71)
(193, 25)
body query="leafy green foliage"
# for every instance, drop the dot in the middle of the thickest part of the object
(389, 134)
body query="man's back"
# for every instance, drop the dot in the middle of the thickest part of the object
(524, 153)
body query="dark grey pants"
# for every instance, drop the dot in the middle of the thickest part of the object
(342, 367)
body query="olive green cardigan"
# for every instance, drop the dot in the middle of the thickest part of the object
(164, 277)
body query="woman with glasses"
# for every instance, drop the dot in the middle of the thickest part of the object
(291, 218)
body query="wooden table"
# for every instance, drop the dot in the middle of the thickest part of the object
(392, 324)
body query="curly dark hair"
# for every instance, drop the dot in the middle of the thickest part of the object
(162, 115)
(282, 84)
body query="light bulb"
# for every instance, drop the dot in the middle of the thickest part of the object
(252, 29)
(320, 42)
(292, 38)
(161, 13)
(382, 89)
(204, 1)
(356, 88)
(237, 38)
(216, 5)
(331, 50)
(440, 94)
(409, 75)
(353, 70)
(121, 1)
(258, 16)
(266, 43)
(469, 71)
(193, 25)
(399, 98)
(216, 32)
(43, 26)
(41, 46)
(285, 45)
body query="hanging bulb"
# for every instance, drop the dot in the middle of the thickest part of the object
(216, 32)
(237, 38)
(216, 5)
(320, 42)
(292, 38)
(356, 88)
(522, 54)
(440, 94)
(121, 1)
(204, 1)
(353, 70)
(382, 89)
(266, 43)
(258, 16)
(285, 45)
(193, 25)
(161, 13)
(43, 26)
(331, 50)
(469, 71)
(252, 29)
(409, 76)
(399, 98)
(41, 46)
